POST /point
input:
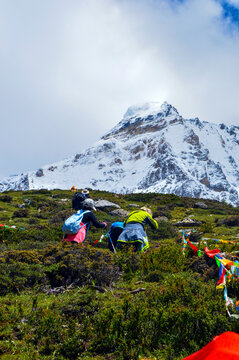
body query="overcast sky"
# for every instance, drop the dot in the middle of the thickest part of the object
(71, 68)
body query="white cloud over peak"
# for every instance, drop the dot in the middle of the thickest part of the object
(70, 70)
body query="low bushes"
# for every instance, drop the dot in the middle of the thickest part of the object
(21, 213)
(32, 235)
(165, 230)
(167, 258)
(56, 266)
(179, 314)
(232, 221)
(5, 198)
(174, 317)
(16, 276)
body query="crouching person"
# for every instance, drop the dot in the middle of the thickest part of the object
(113, 234)
(134, 231)
(77, 226)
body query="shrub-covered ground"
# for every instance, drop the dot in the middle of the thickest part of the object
(65, 301)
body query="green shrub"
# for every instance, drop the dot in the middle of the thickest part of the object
(6, 198)
(33, 221)
(60, 217)
(30, 237)
(163, 211)
(165, 230)
(206, 228)
(83, 266)
(128, 262)
(16, 276)
(195, 236)
(232, 221)
(58, 266)
(166, 258)
(21, 213)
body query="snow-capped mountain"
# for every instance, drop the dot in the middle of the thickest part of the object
(152, 149)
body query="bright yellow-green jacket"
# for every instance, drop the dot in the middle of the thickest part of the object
(141, 217)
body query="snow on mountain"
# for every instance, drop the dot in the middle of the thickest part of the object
(152, 149)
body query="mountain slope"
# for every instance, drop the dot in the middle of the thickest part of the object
(152, 149)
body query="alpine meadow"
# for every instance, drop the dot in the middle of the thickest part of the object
(67, 301)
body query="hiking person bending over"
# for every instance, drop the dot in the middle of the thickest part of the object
(134, 232)
(88, 218)
(113, 234)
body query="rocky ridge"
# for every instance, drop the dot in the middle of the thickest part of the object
(152, 149)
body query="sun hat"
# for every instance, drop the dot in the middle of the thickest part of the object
(89, 203)
(148, 210)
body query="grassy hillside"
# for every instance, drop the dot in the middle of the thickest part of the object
(65, 301)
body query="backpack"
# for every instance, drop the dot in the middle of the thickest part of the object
(73, 224)
(77, 200)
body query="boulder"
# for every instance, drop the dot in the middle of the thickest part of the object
(120, 212)
(105, 205)
(161, 218)
(200, 205)
(188, 222)
(39, 173)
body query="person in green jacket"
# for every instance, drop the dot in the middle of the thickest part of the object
(134, 231)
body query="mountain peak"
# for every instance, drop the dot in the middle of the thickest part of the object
(152, 149)
(149, 108)
(149, 113)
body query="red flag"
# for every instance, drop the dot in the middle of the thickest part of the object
(211, 253)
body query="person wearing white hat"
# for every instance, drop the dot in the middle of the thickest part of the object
(89, 217)
(86, 193)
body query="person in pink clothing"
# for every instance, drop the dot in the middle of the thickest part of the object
(88, 219)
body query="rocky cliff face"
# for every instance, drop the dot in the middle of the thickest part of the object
(152, 149)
